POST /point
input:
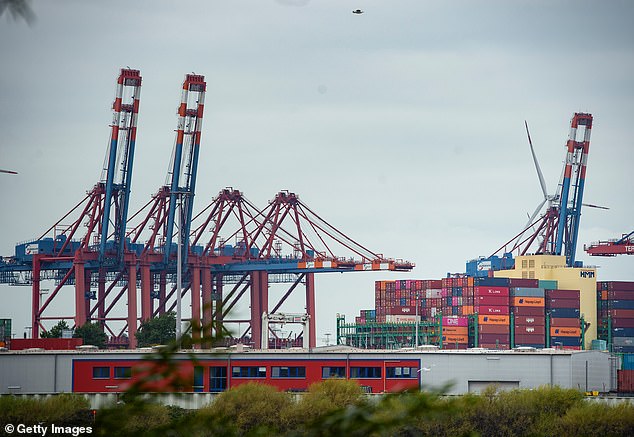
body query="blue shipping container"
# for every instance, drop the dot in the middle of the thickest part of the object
(564, 312)
(623, 332)
(565, 341)
(621, 304)
(628, 362)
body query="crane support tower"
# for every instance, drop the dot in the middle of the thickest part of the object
(573, 186)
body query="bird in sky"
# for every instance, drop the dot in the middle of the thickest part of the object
(357, 11)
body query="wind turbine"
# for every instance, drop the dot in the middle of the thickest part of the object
(550, 198)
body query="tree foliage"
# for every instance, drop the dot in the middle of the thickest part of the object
(56, 331)
(157, 330)
(91, 334)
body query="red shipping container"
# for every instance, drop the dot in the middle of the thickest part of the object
(490, 291)
(492, 300)
(492, 310)
(620, 286)
(570, 348)
(621, 295)
(562, 303)
(625, 381)
(396, 310)
(500, 346)
(530, 320)
(530, 338)
(493, 329)
(454, 346)
(51, 344)
(569, 322)
(528, 311)
(524, 283)
(562, 294)
(622, 323)
(492, 338)
(626, 314)
(532, 329)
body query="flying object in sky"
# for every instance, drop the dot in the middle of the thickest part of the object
(357, 11)
(8, 171)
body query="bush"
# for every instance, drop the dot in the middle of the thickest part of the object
(597, 419)
(63, 410)
(249, 408)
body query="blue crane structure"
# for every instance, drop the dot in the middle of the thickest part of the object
(556, 231)
(119, 260)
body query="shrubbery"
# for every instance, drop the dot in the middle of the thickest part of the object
(338, 407)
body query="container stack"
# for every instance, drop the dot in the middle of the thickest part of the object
(455, 332)
(457, 296)
(565, 326)
(528, 308)
(615, 302)
(491, 302)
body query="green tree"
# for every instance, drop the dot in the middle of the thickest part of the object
(56, 331)
(157, 330)
(92, 334)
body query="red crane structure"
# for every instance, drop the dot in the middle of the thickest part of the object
(226, 254)
(621, 246)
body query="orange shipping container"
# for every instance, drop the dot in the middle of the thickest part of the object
(604, 294)
(455, 330)
(493, 320)
(565, 332)
(455, 338)
(528, 301)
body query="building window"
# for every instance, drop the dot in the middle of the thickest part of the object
(288, 372)
(199, 376)
(333, 372)
(123, 372)
(524, 263)
(101, 372)
(217, 379)
(401, 372)
(365, 372)
(248, 372)
(531, 263)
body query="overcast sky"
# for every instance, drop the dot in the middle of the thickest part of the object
(403, 126)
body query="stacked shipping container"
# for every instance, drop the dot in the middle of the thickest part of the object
(615, 307)
(529, 316)
(498, 303)
(491, 302)
(455, 332)
(564, 308)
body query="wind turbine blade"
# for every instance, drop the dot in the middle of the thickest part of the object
(530, 221)
(542, 182)
(595, 206)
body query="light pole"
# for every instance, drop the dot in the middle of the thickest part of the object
(416, 341)
(179, 268)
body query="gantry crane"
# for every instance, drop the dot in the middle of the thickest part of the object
(249, 248)
(555, 232)
(621, 246)
(68, 254)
